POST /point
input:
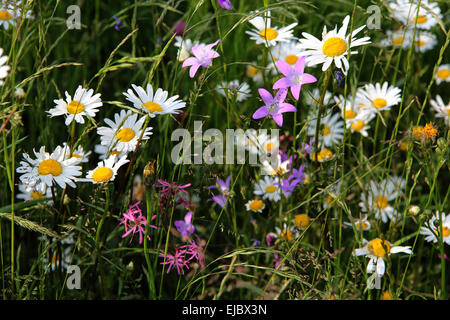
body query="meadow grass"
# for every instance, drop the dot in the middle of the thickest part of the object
(82, 226)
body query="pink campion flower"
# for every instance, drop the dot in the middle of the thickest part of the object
(135, 222)
(274, 106)
(196, 251)
(226, 4)
(185, 226)
(203, 57)
(294, 77)
(178, 260)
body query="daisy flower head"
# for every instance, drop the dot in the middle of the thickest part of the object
(377, 250)
(4, 69)
(123, 133)
(442, 110)
(286, 51)
(294, 77)
(377, 201)
(274, 106)
(360, 224)
(286, 233)
(377, 98)
(360, 123)
(324, 155)
(255, 205)
(397, 39)
(276, 168)
(78, 153)
(432, 231)
(153, 103)
(234, 89)
(442, 74)
(10, 11)
(106, 170)
(84, 103)
(405, 11)
(332, 48)
(27, 194)
(105, 151)
(264, 33)
(424, 41)
(255, 73)
(332, 132)
(267, 188)
(203, 55)
(48, 168)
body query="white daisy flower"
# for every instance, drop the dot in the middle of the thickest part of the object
(10, 12)
(78, 153)
(324, 155)
(123, 133)
(255, 205)
(398, 183)
(360, 224)
(377, 201)
(286, 233)
(397, 39)
(4, 69)
(405, 11)
(332, 131)
(48, 168)
(106, 170)
(233, 88)
(277, 168)
(377, 249)
(258, 144)
(27, 194)
(264, 33)
(442, 109)
(104, 152)
(360, 123)
(377, 98)
(84, 103)
(268, 189)
(154, 104)
(332, 48)
(184, 47)
(432, 231)
(256, 74)
(286, 51)
(424, 41)
(354, 113)
(443, 73)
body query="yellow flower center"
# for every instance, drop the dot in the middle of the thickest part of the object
(361, 225)
(386, 296)
(268, 34)
(379, 248)
(252, 71)
(50, 166)
(256, 205)
(397, 41)
(286, 235)
(102, 174)
(358, 125)
(75, 107)
(334, 46)
(380, 202)
(419, 43)
(36, 195)
(125, 134)
(323, 155)
(379, 103)
(271, 189)
(5, 15)
(350, 114)
(291, 59)
(301, 220)
(445, 231)
(326, 130)
(421, 19)
(443, 73)
(269, 147)
(153, 107)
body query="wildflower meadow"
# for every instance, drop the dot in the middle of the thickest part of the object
(224, 150)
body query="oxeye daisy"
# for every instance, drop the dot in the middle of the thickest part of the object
(442, 74)
(49, 168)
(377, 201)
(10, 11)
(153, 104)
(255, 73)
(424, 41)
(4, 69)
(332, 48)
(332, 131)
(324, 155)
(105, 151)
(203, 55)
(286, 233)
(379, 98)
(29, 194)
(241, 91)
(286, 51)
(78, 153)
(432, 231)
(406, 12)
(397, 39)
(84, 103)
(377, 250)
(264, 33)
(442, 109)
(267, 189)
(255, 205)
(106, 170)
(361, 123)
(277, 167)
(360, 224)
(123, 133)
(353, 108)
(274, 106)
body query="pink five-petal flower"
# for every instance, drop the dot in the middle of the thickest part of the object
(274, 106)
(294, 77)
(203, 55)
